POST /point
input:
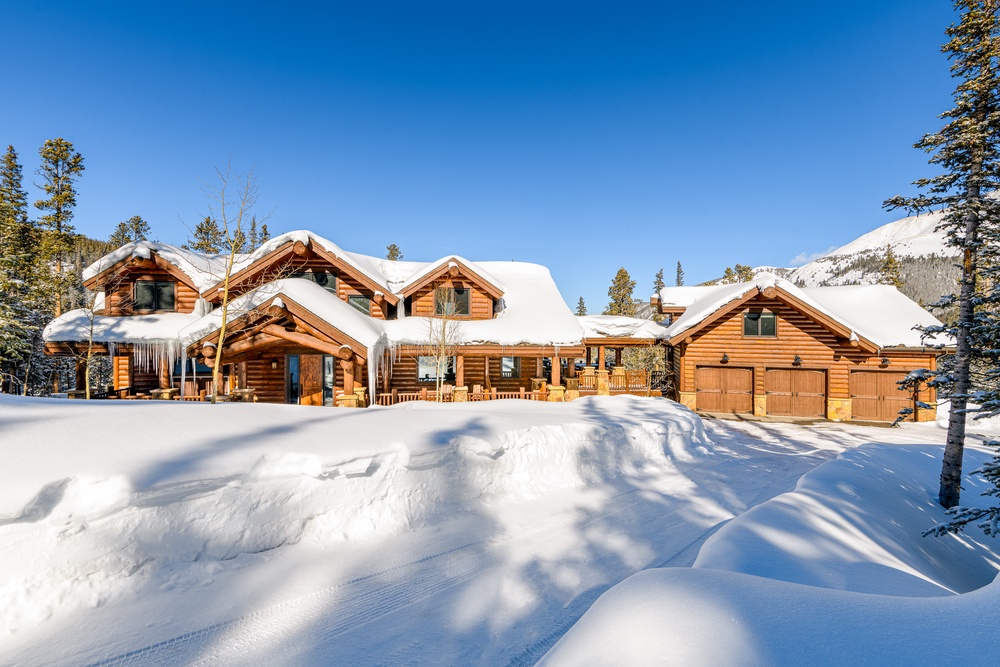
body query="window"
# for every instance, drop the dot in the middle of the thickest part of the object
(154, 295)
(760, 323)
(362, 303)
(451, 301)
(292, 379)
(510, 367)
(427, 369)
(324, 279)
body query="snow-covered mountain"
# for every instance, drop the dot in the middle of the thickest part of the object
(927, 262)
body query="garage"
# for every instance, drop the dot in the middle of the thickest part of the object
(795, 392)
(723, 389)
(875, 396)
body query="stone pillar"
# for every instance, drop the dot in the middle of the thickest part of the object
(572, 389)
(689, 399)
(760, 405)
(359, 394)
(838, 409)
(556, 394)
(346, 400)
(460, 394)
(601, 383)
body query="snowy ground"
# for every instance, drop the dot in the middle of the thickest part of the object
(167, 533)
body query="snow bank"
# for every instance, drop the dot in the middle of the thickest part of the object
(858, 583)
(141, 489)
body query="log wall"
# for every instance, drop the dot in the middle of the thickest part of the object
(119, 295)
(480, 303)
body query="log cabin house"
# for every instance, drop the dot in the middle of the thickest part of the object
(768, 347)
(312, 324)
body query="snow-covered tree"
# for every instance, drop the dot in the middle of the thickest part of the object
(620, 292)
(966, 151)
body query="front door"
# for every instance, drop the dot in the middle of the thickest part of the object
(312, 379)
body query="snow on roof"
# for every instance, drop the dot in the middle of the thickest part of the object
(616, 326)
(682, 297)
(74, 327)
(879, 313)
(423, 270)
(307, 294)
(204, 270)
(533, 312)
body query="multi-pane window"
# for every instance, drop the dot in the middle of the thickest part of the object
(759, 323)
(362, 303)
(428, 369)
(324, 279)
(154, 295)
(510, 367)
(451, 301)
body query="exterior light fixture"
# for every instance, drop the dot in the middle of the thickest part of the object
(885, 361)
(274, 364)
(725, 358)
(797, 361)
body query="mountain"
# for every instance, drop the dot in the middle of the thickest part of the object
(927, 262)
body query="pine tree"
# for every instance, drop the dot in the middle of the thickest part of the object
(889, 272)
(967, 153)
(59, 170)
(207, 237)
(393, 252)
(581, 307)
(658, 283)
(680, 275)
(620, 292)
(130, 231)
(728, 276)
(264, 236)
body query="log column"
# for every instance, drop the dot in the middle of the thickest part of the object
(459, 370)
(556, 370)
(601, 361)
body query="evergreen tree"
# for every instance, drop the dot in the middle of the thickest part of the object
(393, 252)
(581, 307)
(741, 274)
(207, 237)
(658, 283)
(620, 292)
(21, 295)
(889, 272)
(59, 170)
(129, 231)
(263, 236)
(728, 276)
(680, 275)
(967, 153)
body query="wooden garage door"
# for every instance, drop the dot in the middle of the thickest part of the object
(876, 397)
(795, 392)
(724, 389)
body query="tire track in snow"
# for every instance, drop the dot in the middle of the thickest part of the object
(346, 606)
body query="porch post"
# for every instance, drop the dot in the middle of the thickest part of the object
(539, 367)
(618, 356)
(459, 370)
(81, 375)
(556, 370)
(347, 365)
(600, 358)
(588, 355)
(164, 373)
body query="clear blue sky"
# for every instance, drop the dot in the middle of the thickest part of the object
(580, 135)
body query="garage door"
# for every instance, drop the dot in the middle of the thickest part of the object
(795, 392)
(724, 389)
(876, 397)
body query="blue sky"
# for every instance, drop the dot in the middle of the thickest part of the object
(585, 136)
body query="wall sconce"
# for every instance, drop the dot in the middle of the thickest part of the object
(725, 358)
(274, 364)
(797, 361)
(885, 361)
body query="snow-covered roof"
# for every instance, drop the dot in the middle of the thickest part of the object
(617, 326)
(74, 327)
(449, 261)
(204, 270)
(312, 297)
(877, 313)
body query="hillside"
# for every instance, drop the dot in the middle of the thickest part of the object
(927, 262)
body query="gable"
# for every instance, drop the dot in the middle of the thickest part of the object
(452, 270)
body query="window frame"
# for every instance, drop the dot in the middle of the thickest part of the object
(368, 302)
(331, 278)
(449, 373)
(515, 372)
(156, 285)
(762, 314)
(440, 301)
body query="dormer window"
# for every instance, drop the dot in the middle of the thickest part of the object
(451, 301)
(324, 279)
(361, 302)
(154, 295)
(760, 324)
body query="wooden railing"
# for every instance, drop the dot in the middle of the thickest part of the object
(394, 397)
